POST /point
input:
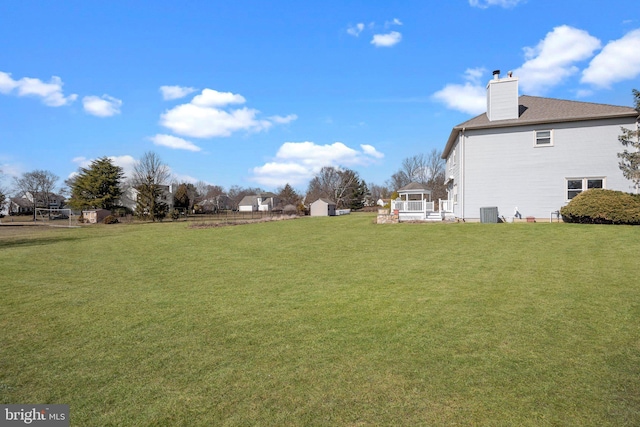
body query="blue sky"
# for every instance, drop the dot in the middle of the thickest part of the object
(257, 93)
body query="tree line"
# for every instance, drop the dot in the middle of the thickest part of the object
(103, 185)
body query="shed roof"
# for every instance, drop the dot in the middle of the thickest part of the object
(539, 110)
(327, 201)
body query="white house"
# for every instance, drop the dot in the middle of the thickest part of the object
(532, 154)
(263, 202)
(129, 196)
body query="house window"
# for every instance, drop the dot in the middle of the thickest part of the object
(543, 138)
(455, 193)
(576, 186)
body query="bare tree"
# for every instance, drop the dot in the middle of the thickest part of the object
(211, 198)
(37, 187)
(436, 166)
(397, 181)
(415, 168)
(4, 197)
(379, 192)
(237, 193)
(323, 185)
(149, 175)
(428, 170)
(341, 186)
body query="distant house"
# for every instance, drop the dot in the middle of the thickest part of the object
(217, 203)
(323, 207)
(23, 205)
(95, 216)
(531, 154)
(263, 202)
(129, 197)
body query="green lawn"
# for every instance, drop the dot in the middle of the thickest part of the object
(324, 321)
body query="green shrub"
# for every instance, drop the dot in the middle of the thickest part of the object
(598, 206)
(110, 220)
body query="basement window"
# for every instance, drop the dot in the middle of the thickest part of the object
(543, 138)
(576, 186)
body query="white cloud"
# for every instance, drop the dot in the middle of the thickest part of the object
(205, 122)
(370, 150)
(7, 84)
(174, 142)
(105, 106)
(618, 61)
(553, 59)
(175, 92)
(386, 40)
(283, 120)
(355, 30)
(213, 98)
(468, 98)
(297, 162)
(395, 21)
(483, 4)
(204, 116)
(546, 65)
(51, 93)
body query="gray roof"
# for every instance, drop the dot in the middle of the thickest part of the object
(414, 186)
(247, 201)
(327, 201)
(538, 110)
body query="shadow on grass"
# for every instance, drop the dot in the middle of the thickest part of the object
(34, 241)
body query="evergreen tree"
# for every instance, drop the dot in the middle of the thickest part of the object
(630, 159)
(181, 198)
(97, 186)
(288, 196)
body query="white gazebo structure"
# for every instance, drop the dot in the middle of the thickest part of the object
(414, 204)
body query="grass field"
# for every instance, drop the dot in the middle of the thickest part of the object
(324, 321)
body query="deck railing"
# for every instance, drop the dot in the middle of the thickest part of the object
(412, 206)
(445, 205)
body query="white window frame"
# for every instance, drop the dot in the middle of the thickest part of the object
(584, 185)
(537, 137)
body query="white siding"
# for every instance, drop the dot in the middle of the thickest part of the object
(502, 99)
(453, 175)
(503, 168)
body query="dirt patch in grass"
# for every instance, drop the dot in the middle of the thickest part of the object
(241, 222)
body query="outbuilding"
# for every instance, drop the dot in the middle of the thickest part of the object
(323, 207)
(94, 216)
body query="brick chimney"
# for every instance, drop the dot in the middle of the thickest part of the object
(502, 97)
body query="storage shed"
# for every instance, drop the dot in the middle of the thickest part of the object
(323, 207)
(95, 216)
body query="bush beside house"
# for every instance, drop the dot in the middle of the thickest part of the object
(599, 206)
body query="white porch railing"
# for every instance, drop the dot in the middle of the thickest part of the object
(412, 206)
(445, 205)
